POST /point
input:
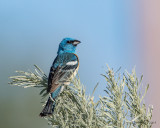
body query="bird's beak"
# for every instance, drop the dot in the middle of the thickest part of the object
(76, 42)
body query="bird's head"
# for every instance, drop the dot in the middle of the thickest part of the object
(68, 45)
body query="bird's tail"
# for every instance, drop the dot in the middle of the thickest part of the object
(49, 108)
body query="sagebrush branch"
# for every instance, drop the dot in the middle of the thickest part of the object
(122, 106)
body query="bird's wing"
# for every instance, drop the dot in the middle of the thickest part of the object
(65, 65)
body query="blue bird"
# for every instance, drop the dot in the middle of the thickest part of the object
(63, 69)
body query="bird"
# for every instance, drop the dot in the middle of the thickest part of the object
(64, 68)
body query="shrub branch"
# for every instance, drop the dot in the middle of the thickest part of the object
(123, 106)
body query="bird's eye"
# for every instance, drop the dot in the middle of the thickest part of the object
(69, 42)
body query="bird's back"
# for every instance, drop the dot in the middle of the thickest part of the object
(64, 68)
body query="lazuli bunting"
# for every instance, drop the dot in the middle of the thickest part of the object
(63, 69)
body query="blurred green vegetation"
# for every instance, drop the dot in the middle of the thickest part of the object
(19, 108)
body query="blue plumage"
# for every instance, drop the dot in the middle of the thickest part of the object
(64, 68)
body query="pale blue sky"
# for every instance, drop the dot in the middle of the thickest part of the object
(30, 32)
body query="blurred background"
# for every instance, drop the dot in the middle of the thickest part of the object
(120, 33)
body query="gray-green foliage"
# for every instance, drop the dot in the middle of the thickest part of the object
(122, 106)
